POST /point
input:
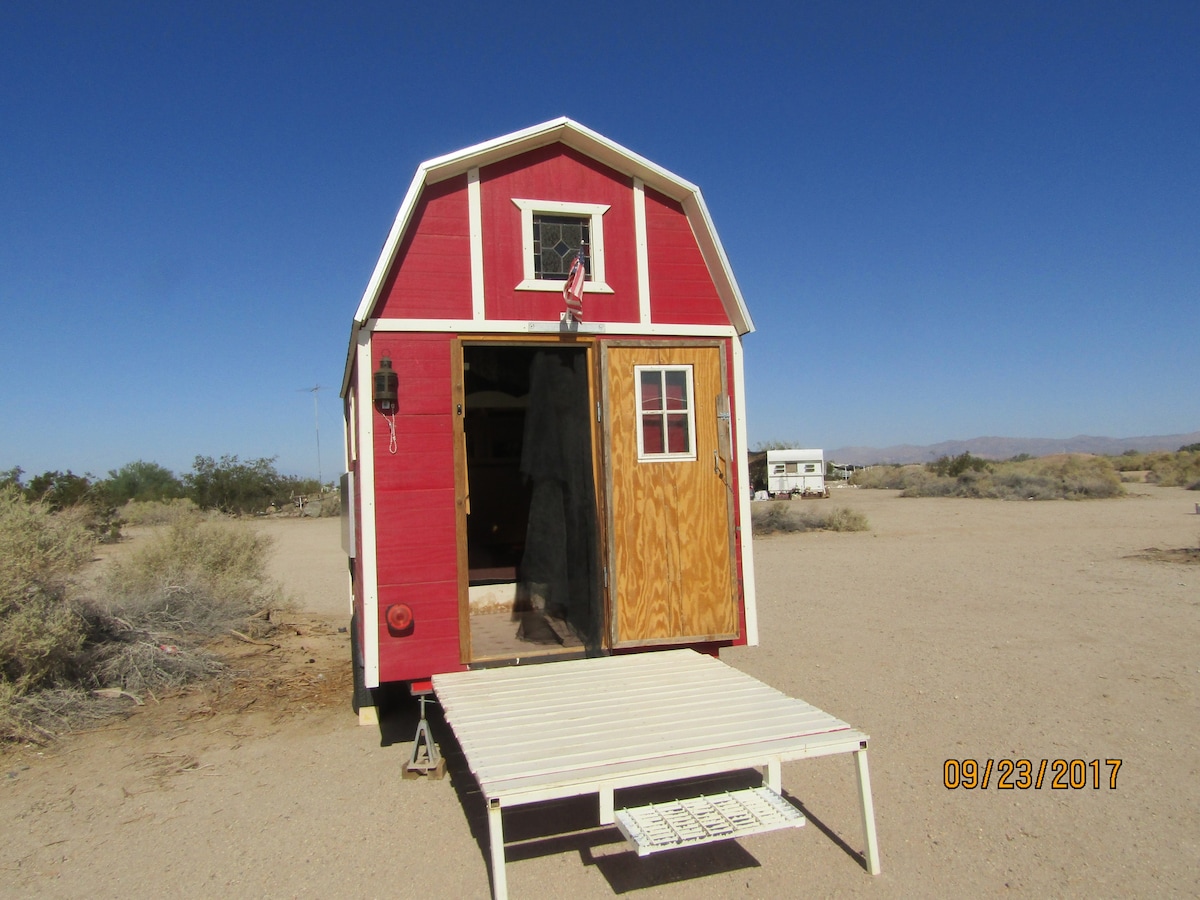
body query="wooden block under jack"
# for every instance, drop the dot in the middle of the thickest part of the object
(413, 771)
(368, 715)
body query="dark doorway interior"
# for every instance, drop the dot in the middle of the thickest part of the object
(531, 529)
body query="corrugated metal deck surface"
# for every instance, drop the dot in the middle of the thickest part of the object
(584, 719)
(597, 726)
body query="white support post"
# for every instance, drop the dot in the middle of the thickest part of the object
(608, 813)
(868, 809)
(772, 773)
(496, 842)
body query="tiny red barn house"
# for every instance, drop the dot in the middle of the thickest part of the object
(526, 484)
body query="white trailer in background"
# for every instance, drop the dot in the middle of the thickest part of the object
(796, 472)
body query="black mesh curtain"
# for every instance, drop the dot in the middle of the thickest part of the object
(559, 573)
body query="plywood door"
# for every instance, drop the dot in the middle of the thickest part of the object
(670, 520)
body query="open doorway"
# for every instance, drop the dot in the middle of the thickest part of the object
(532, 551)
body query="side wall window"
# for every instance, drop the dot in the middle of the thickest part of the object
(666, 413)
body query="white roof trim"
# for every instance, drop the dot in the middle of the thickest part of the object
(591, 144)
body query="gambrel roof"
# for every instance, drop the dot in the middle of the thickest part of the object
(591, 144)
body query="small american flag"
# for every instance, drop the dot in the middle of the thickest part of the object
(573, 289)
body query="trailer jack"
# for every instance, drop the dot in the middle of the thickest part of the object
(426, 759)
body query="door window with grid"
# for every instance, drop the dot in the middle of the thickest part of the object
(666, 413)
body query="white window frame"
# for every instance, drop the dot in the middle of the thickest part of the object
(643, 456)
(594, 212)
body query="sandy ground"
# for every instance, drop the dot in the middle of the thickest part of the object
(953, 628)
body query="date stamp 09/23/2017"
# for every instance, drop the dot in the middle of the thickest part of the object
(1023, 774)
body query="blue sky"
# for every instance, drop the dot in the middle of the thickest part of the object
(948, 219)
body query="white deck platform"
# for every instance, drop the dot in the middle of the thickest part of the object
(594, 726)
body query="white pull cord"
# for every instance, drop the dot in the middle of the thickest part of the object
(391, 420)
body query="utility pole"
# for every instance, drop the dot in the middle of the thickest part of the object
(314, 390)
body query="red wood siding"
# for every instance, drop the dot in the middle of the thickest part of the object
(555, 173)
(681, 289)
(416, 524)
(431, 275)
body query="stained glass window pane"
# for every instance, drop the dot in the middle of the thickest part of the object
(556, 240)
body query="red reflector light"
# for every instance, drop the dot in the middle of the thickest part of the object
(399, 618)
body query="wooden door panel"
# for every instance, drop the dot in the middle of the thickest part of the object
(670, 540)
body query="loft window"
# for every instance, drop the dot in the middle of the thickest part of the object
(666, 413)
(556, 240)
(552, 231)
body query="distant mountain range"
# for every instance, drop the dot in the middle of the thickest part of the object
(1006, 448)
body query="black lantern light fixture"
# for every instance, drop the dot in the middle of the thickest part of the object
(385, 388)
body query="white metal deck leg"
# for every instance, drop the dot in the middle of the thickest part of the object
(496, 845)
(773, 776)
(608, 814)
(868, 808)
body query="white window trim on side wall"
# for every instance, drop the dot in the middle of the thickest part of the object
(594, 211)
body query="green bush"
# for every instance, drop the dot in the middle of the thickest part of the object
(233, 486)
(958, 465)
(142, 481)
(58, 491)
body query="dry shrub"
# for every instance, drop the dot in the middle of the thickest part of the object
(196, 578)
(41, 630)
(789, 517)
(1181, 469)
(140, 664)
(889, 477)
(1064, 477)
(41, 715)
(157, 512)
(143, 634)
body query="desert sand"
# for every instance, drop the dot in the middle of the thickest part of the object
(953, 629)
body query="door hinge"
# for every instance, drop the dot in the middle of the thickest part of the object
(597, 410)
(606, 577)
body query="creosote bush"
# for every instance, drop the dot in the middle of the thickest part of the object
(196, 578)
(792, 516)
(144, 629)
(157, 512)
(41, 630)
(1067, 477)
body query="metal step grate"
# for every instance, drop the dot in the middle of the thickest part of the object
(703, 820)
